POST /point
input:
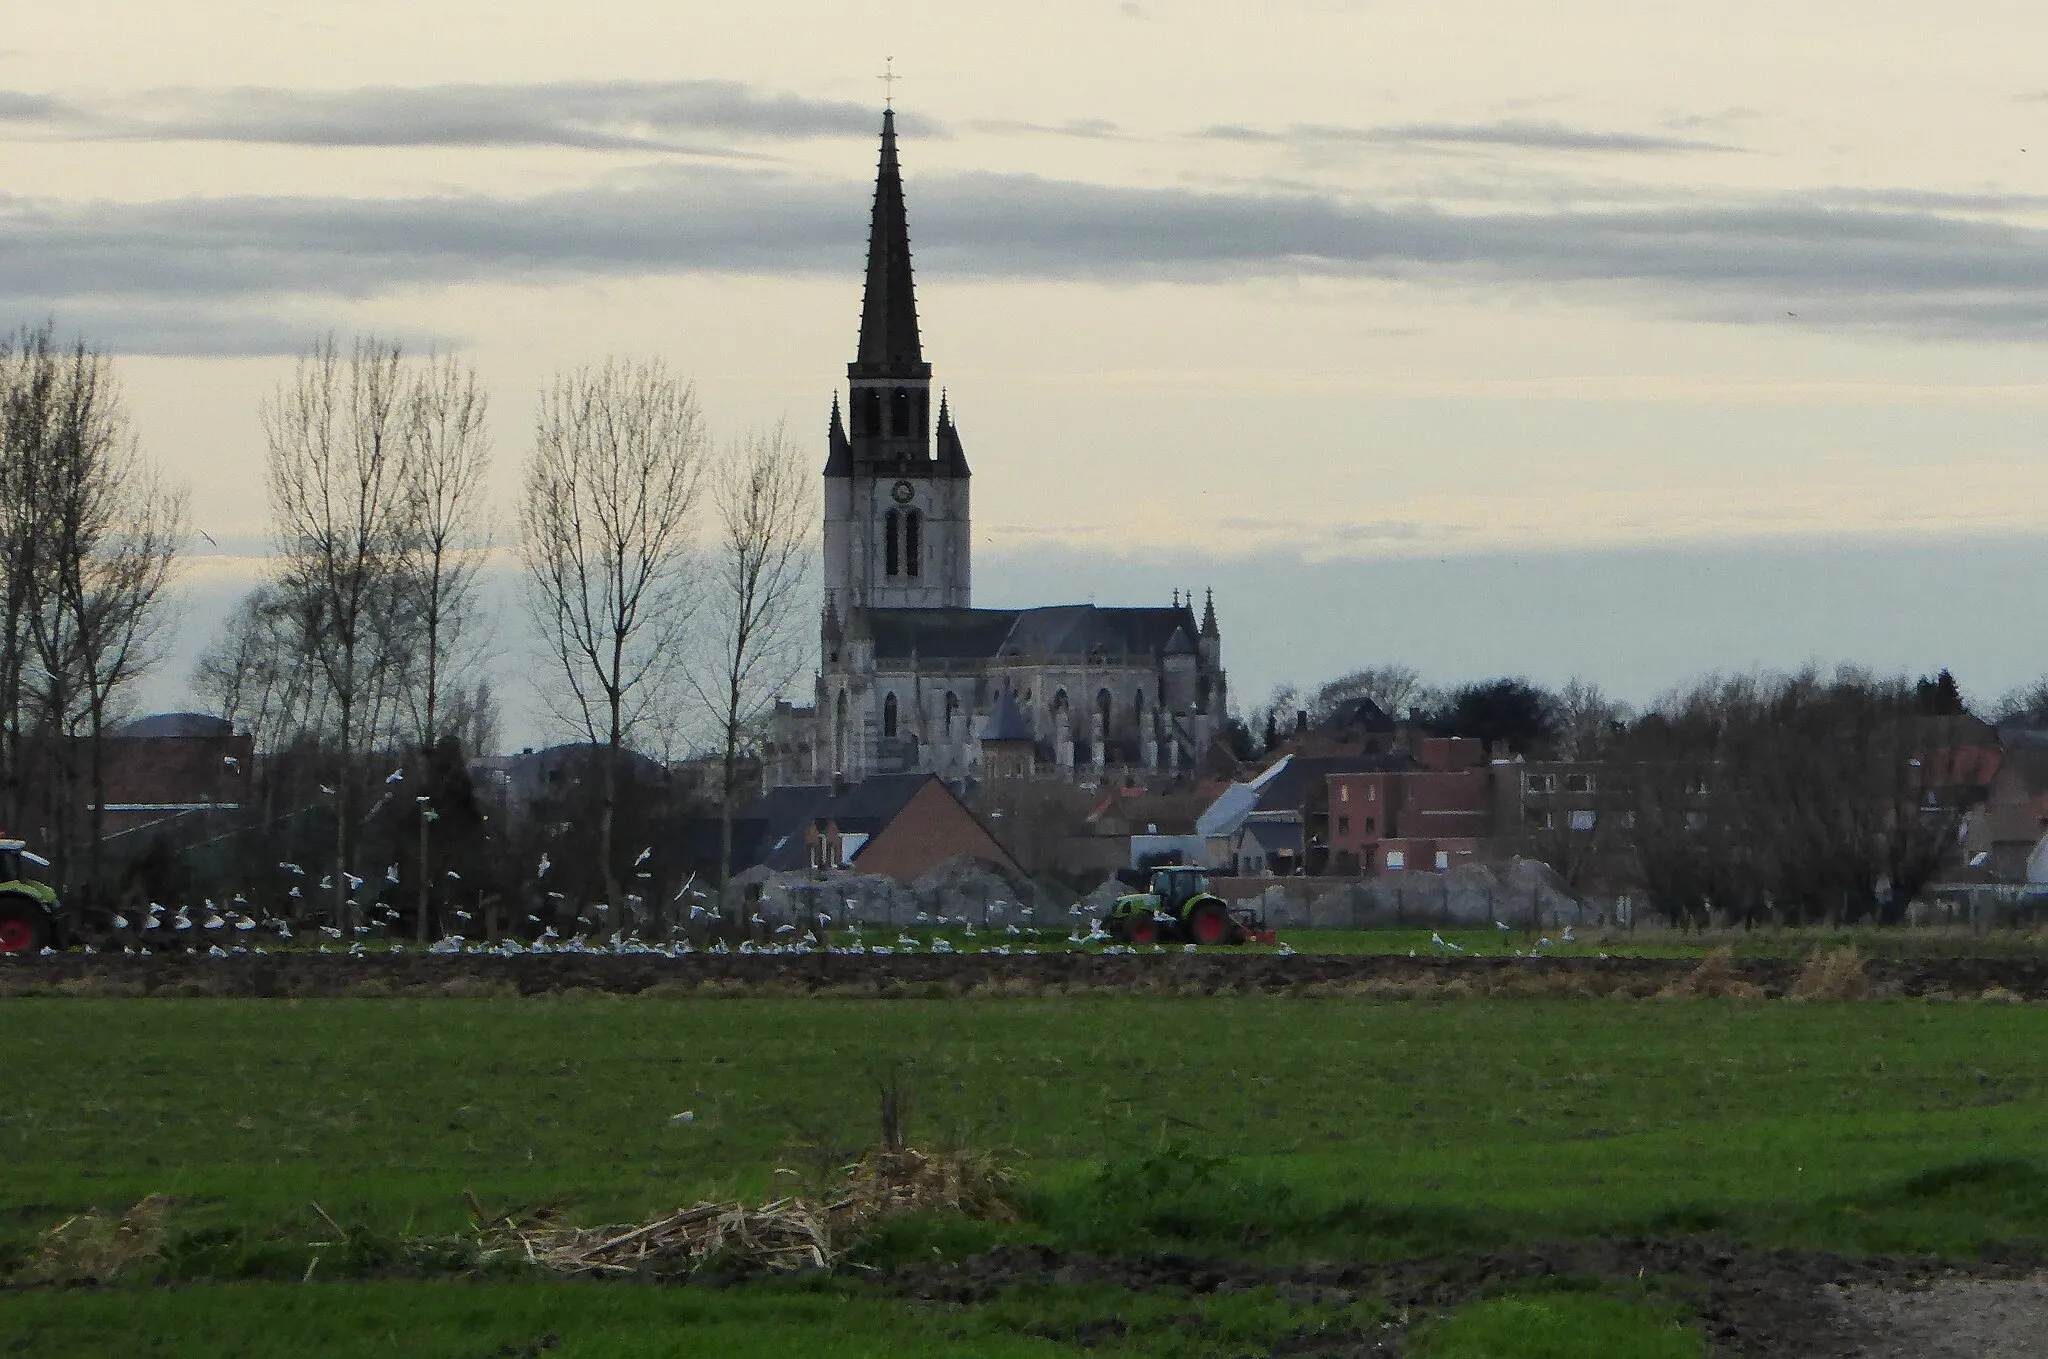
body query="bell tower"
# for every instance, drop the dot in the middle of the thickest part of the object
(896, 482)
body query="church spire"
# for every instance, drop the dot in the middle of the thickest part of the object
(889, 345)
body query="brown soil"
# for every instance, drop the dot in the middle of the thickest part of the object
(918, 976)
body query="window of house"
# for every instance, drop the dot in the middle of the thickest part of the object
(1370, 828)
(1343, 792)
(1539, 819)
(1583, 820)
(1539, 783)
(1578, 783)
(1443, 859)
(1372, 792)
(1396, 860)
(1343, 825)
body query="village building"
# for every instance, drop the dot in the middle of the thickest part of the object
(911, 672)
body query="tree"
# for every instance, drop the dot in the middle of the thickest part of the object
(1395, 688)
(611, 499)
(338, 436)
(1939, 696)
(446, 532)
(1509, 712)
(1586, 722)
(756, 604)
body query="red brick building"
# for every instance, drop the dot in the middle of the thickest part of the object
(174, 765)
(1429, 819)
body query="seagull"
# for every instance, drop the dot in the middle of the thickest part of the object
(120, 922)
(1501, 925)
(293, 868)
(230, 763)
(1568, 934)
(327, 789)
(645, 855)
(354, 882)
(391, 874)
(395, 776)
(453, 876)
(1440, 942)
(297, 893)
(327, 883)
(545, 864)
(183, 922)
(212, 921)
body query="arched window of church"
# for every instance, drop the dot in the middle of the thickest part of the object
(952, 708)
(892, 524)
(924, 413)
(1059, 706)
(889, 716)
(871, 411)
(913, 541)
(1202, 695)
(899, 412)
(1102, 702)
(839, 733)
(1138, 710)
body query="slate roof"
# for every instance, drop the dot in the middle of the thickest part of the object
(1059, 631)
(859, 808)
(889, 344)
(1005, 721)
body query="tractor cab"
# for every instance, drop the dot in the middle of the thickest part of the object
(29, 917)
(1176, 885)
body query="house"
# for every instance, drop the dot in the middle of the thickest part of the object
(1431, 816)
(173, 765)
(1278, 823)
(898, 826)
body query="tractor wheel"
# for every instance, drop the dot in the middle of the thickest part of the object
(1141, 928)
(23, 926)
(1207, 923)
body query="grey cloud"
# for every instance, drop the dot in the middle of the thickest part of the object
(1522, 133)
(18, 106)
(588, 115)
(1093, 128)
(1918, 271)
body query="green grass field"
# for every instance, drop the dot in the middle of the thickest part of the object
(1242, 1127)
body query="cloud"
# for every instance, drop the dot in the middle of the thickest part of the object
(1520, 133)
(1095, 129)
(1924, 271)
(671, 116)
(18, 106)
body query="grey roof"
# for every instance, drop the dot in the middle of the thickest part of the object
(1005, 721)
(1080, 631)
(176, 724)
(1178, 644)
(889, 344)
(1275, 836)
(859, 808)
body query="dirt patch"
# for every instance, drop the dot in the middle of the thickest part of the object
(1756, 1304)
(939, 976)
(1951, 1317)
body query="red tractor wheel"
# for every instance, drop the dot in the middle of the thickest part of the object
(1141, 928)
(23, 928)
(1207, 923)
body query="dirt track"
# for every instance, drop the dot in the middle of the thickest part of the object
(1755, 1304)
(920, 976)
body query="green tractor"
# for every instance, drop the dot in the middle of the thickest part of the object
(30, 919)
(1176, 905)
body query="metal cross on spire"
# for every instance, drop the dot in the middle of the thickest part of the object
(888, 77)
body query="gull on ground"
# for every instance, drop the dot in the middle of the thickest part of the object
(395, 776)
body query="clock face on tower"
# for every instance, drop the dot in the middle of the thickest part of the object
(903, 492)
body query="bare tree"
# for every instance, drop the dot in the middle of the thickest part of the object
(606, 523)
(338, 440)
(1394, 687)
(754, 635)
(447, 532)
(1588, 722)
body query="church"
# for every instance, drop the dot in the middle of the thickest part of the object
(912, 676)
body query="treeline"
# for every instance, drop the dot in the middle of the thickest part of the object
(665, 577)
(1791, 798)
(90, 532)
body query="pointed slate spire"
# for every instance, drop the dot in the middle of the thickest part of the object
(838, 451)
(1006, 721)
(889, 345)
(1209, 613)
(952, 458)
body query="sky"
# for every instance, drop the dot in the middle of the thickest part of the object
(1624, 339)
